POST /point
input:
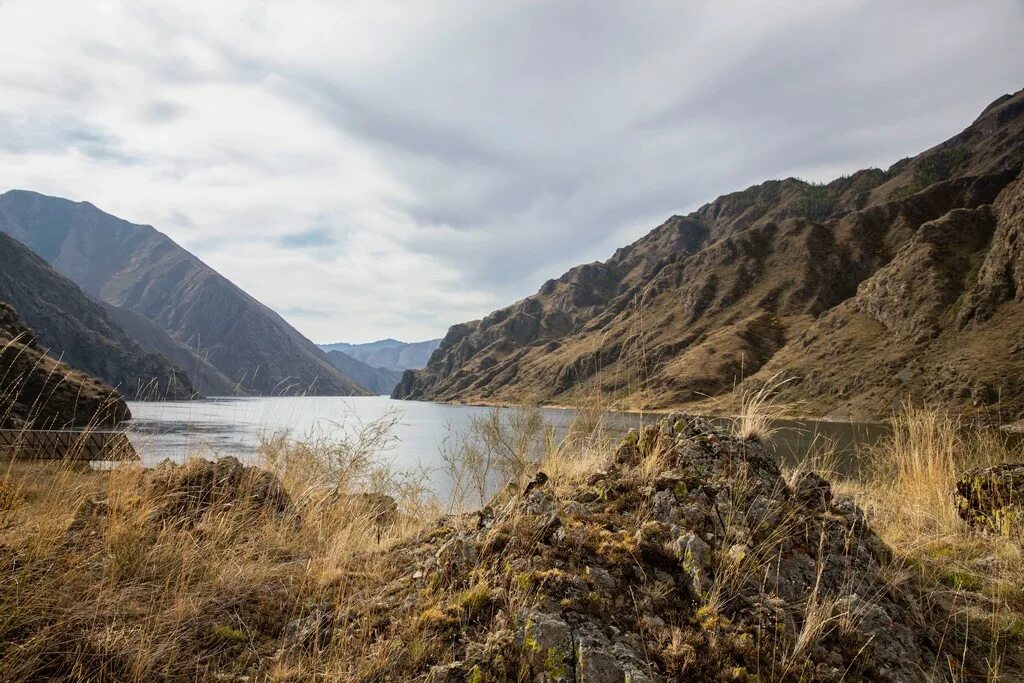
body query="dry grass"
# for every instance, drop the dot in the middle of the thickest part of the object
(116, 597)
(908, 495)
(760, 411)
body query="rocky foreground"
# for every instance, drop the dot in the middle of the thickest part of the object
(684, 555)
(690, 558)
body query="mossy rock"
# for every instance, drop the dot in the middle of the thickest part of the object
(992, 499)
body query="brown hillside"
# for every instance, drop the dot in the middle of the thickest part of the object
(877, 288)
(77, 330)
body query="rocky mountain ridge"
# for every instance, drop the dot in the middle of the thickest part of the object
(877, 288)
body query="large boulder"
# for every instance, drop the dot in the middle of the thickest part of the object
(992, 498)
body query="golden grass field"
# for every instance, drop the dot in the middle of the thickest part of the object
(100, 581)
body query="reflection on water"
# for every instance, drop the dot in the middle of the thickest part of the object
(234, 426)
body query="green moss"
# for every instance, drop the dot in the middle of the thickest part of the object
(554, 665)
(476, 675)
(435, 618)
(680, 490)
(226, 634)
(1013, 625)
(524, 581)
(964, 581)
(473, 600)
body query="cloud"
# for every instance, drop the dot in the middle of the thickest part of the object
(388, 169)
(314, 237)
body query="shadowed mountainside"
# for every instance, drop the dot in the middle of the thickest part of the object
(876, 288)
(70, 326)
(207, 379)
(141, 270)
(39, 392)
(389, 354)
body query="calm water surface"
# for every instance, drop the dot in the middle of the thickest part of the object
(234, 426)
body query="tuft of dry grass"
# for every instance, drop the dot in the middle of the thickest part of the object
(760, 411)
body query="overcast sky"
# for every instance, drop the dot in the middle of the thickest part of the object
(388, 169)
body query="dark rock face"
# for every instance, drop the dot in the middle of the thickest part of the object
(72, 327)
(992, 498)
(876, 288)
(38, 392)
(706, 565)
(380, 381)
(141, 270)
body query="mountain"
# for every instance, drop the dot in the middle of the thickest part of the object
(877, 288)
(390, 354)
(75, 329)
(380, 381)
(39, 392)
(207, 379)
(141, 270)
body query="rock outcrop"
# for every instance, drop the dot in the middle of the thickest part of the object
(73, 328)
(141, 270)
(38, 392)
(877, 288)
(689, 558)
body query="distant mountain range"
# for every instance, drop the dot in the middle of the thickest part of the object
(878, 288)
(73, 328)
(380, 381)
(389, 354)
(172, 303)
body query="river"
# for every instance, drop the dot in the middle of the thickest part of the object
(235, 426)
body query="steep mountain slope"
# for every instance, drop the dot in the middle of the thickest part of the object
(379, 381)
(39, 392)
(207, 379)
(879, 287)
(75, 329)
(139, 269)
(390, 354)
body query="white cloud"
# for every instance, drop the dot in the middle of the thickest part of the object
(375, 169)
